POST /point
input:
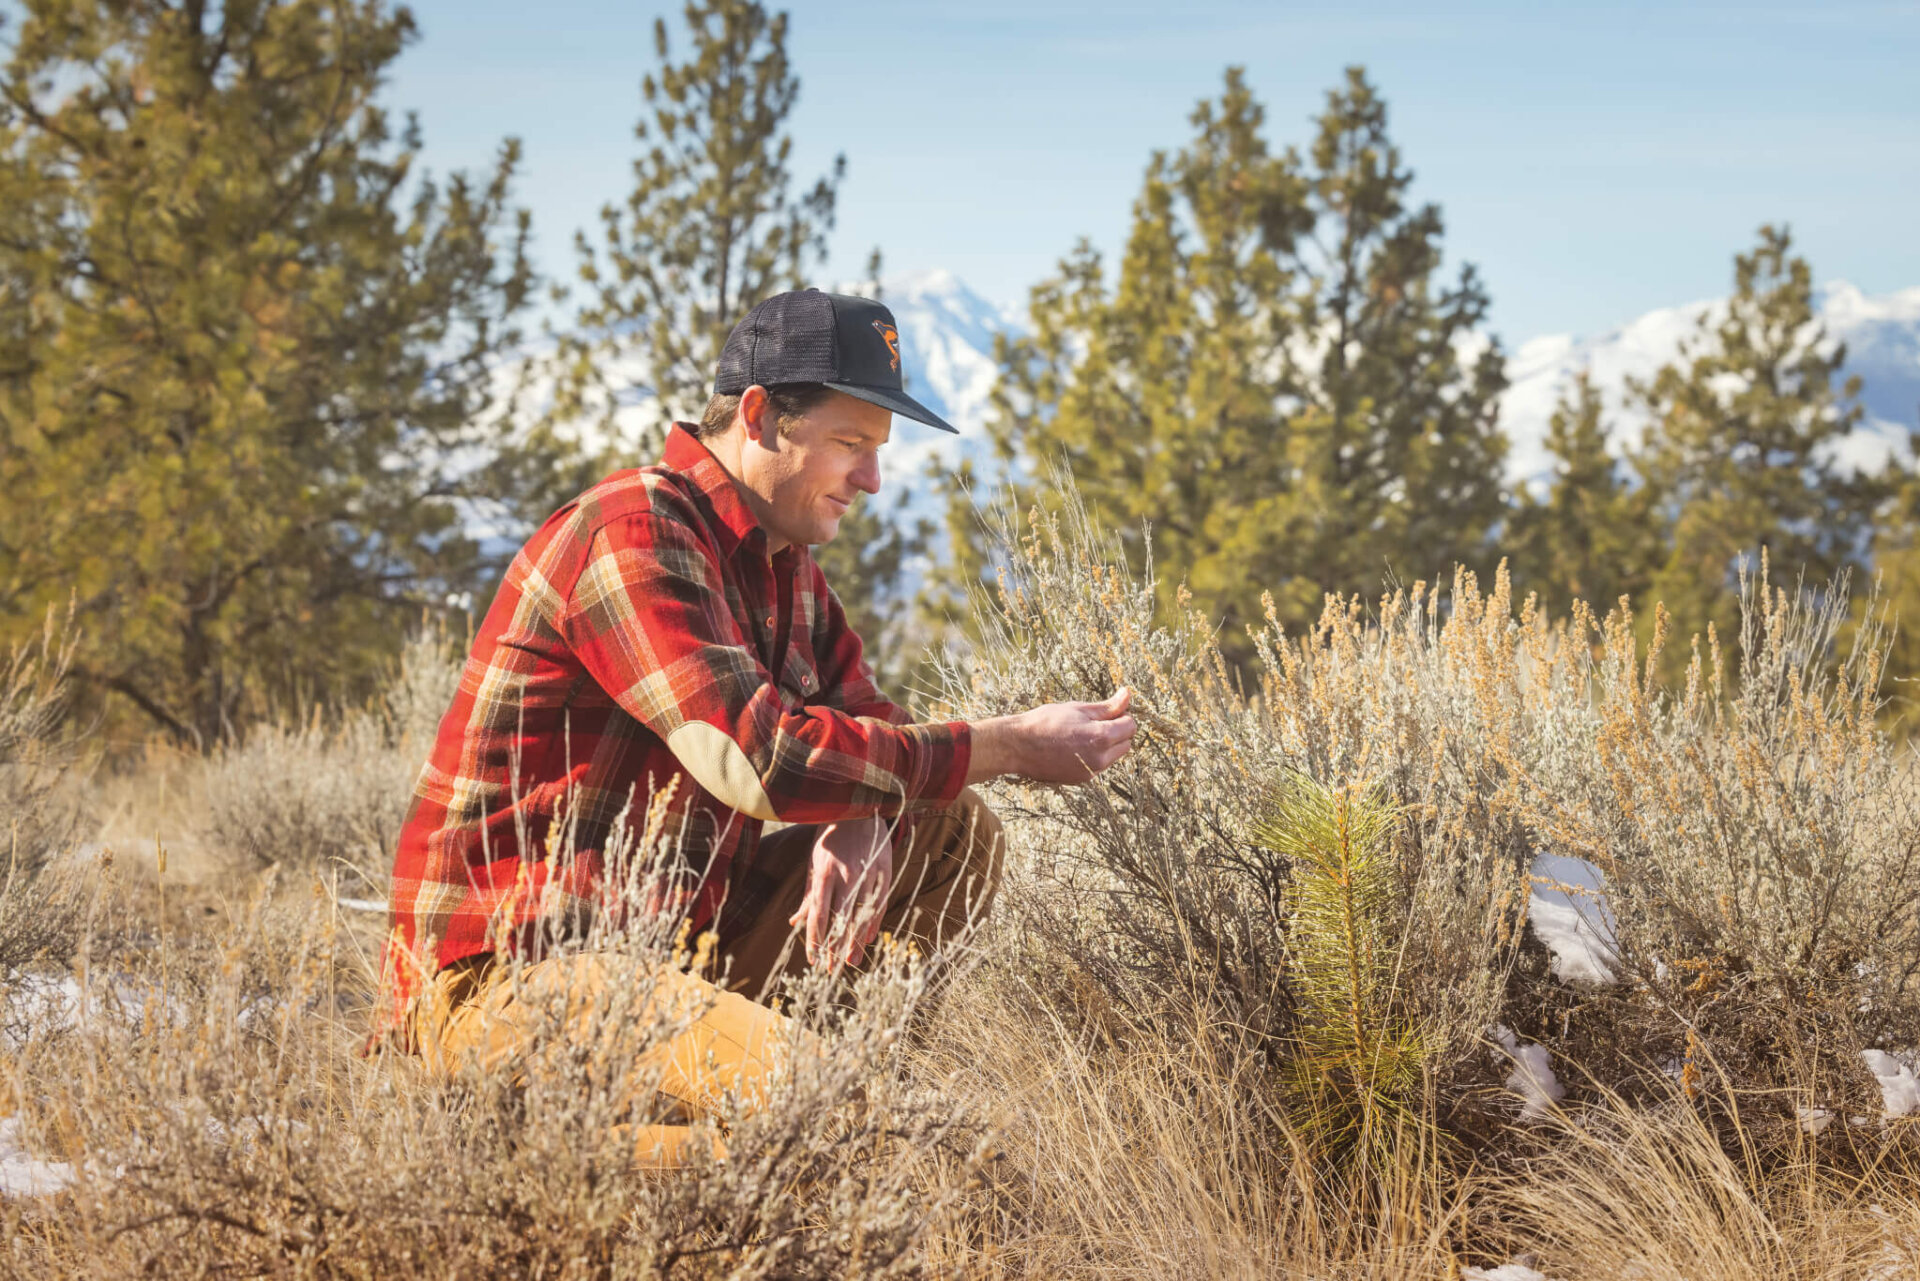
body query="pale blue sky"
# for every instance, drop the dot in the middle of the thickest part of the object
(1594, 161)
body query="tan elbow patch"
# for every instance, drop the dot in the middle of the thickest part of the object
(717, 764)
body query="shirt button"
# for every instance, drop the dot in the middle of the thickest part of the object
(769, 620)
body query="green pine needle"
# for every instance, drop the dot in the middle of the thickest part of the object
(1358, 1066)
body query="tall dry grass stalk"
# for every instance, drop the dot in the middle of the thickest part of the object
(1654, 1191)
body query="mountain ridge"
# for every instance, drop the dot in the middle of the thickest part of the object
(947, 333)
(952, 368)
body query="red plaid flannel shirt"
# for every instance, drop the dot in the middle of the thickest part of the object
(644, 634)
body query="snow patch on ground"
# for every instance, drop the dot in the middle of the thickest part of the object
(1532, 1077)
(1515, 1271)
(36, 1004)
(1813, 1120)
(41, 1005)
(21, 1173)
(1899, 1088)
(1569, 914)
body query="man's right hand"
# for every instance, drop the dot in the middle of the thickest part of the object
(1054, 743)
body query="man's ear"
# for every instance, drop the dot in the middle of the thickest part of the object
(753, 413)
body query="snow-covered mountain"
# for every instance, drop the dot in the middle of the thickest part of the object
(1881, 333)
(946, 355)
(946, 348)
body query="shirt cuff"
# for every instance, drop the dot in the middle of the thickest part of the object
(946, 749)
(960, 760)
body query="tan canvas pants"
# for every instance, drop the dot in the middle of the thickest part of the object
(472, 1012)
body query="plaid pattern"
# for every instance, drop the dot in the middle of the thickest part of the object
(647, 610)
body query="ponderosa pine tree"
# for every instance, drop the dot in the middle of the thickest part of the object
(710, 228)
(1162, 395)
(1276, 380)
(1593, 536)
(1395, 450)
(1738, 449)
(238, 339)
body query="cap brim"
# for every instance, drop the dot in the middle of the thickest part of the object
(897, 401)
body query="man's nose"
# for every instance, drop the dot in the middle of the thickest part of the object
(866, 477)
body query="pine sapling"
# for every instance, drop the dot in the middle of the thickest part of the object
(1358, 1065)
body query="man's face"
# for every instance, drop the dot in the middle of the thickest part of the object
(807, 480)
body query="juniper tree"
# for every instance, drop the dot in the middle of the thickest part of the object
(1592, 537)
(1275, 379)
(711, 226)
(1738, 453)
(239, 336)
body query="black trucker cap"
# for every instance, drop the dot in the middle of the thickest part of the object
(805, 336)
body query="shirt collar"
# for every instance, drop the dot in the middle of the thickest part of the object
(734, 521)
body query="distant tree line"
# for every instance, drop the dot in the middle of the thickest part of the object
(252, 407)
(1280, 382)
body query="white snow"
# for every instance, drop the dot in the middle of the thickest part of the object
(1569, 914)
(1899, 1088)
(1532, 1077)
(1813, 1120)
(1881, 333)
(1515, 1271)
(946, 354)
(23, 1174)
(39, 1005)
(36, 1004)
(946, 349)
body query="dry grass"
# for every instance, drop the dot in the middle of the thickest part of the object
(330, 791)
(39, 756)
(1125, 1076)
(206, 1097)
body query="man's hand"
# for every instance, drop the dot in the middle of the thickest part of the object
(1054, 743)
(847, 890)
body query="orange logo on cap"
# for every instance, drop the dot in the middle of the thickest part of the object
(891, 337)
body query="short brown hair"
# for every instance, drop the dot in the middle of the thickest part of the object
(790, 402)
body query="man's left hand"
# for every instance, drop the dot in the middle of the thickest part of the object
(847, 889)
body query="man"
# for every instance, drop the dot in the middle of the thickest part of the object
(669, 630)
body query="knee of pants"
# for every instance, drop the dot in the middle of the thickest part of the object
(983, 839)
